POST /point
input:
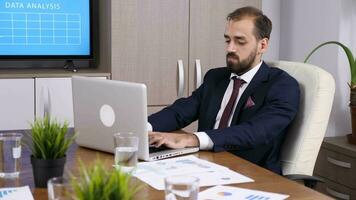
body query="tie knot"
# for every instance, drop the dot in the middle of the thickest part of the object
(238, 81)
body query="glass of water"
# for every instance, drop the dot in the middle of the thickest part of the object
(58, 188)
(181, 188)
(10, 154)
(126, 150)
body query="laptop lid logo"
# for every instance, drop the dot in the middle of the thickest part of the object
(107, 115)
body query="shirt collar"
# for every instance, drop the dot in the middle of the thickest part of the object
(247, 76)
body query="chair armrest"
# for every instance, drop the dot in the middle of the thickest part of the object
(309, 181)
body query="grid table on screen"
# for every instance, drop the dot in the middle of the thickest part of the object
(40, 28)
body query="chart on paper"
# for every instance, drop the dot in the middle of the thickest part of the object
(153, 173)
(17, 28)
(16, 193)
(235, 193)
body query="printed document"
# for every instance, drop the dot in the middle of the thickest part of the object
(235, 193)
(209, 174)
(16, 193)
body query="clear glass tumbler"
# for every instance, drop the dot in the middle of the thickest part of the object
(58, 188)
(10, 154)
(181, 188)
(126, 151)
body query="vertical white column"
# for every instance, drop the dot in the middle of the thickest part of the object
(26, 28)
(40, 21)
(80, 29)
(66, 28)
(54, 41)
(12, 27)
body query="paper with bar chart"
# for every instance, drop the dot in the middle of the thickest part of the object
(16, 193)
(235, 193)
(44, 27)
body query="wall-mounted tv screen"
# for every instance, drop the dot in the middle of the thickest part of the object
(46, 29)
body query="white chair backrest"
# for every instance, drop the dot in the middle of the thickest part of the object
(305, 135)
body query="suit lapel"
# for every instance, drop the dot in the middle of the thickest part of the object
(260, 77)
(216, 99)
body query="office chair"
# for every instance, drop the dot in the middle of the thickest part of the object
(305, 135)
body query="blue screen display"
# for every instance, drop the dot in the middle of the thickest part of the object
(44, 27)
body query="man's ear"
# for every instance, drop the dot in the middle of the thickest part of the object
(263, 45)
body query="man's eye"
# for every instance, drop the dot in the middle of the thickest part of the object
(227, 41)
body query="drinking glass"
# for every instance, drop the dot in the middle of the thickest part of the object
(126, 150)
(10, 154)
(58, 188)
(181, 188)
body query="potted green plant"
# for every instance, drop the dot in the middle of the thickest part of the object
(96, 182)
(49, 143)
(352, 62)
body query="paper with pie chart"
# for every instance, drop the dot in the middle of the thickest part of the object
(235, 193)
(209, 174)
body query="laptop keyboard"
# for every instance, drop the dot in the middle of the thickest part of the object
(157, 149)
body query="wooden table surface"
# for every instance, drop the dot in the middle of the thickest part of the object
(264, 179)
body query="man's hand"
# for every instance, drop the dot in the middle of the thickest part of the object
(173, 140)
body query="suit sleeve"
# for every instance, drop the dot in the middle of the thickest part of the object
(280, 107)
(178, 115)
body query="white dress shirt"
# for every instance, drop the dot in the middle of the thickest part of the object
(204, 140)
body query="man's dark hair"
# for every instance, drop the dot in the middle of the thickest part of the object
(263, 25)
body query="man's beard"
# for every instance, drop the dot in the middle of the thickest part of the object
(241, 66)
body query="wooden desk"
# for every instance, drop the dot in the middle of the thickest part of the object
(264, 179)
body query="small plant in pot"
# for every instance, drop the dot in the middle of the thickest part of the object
(352, 64)
(49, 144)
(97, 182)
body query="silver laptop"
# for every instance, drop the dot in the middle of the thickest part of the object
(104, 107)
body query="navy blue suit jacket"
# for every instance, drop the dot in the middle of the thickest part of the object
(257, 132)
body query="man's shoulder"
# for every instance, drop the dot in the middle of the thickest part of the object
(279, 74)
(218, 72)
(279, 80)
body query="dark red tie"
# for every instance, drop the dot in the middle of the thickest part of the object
(230, 105)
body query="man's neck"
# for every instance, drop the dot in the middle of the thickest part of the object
(252, 66)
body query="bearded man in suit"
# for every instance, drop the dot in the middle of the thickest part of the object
(244, 108)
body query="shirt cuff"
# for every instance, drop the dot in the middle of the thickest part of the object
(149, 127)
(205, 142)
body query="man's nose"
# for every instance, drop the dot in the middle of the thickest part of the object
(231, 47)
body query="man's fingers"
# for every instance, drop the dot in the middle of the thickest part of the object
(160, 142)
(156, 139)
(161, 139)
(171, 140)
